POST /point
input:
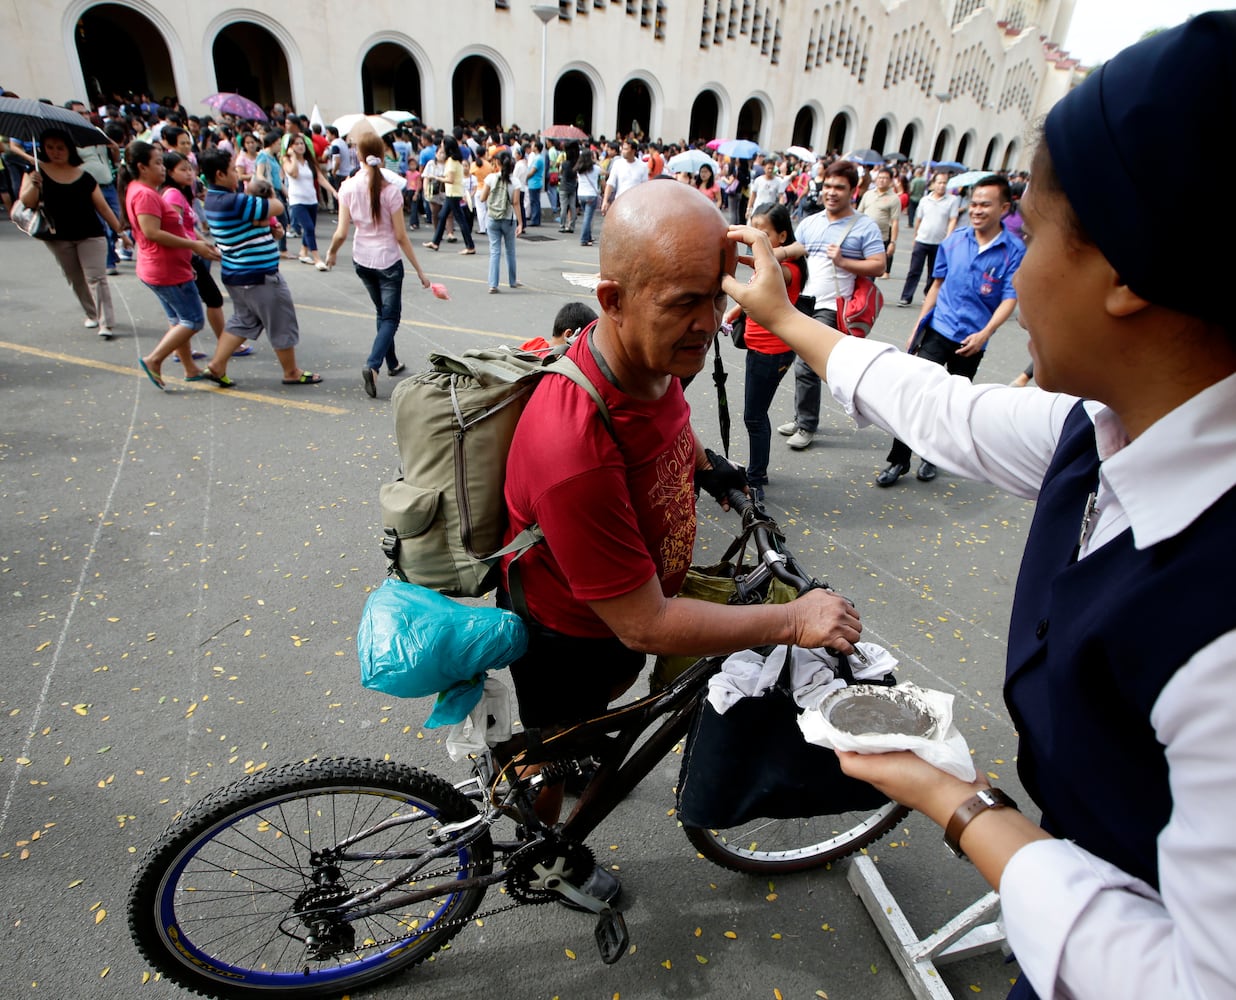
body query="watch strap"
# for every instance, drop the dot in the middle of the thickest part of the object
(975, 805)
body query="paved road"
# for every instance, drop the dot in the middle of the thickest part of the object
(182, 576)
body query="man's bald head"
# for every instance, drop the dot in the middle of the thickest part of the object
(651, 225)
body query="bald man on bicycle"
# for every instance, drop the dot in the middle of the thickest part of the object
(618, 509)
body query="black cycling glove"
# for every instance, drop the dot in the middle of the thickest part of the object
(721, 478)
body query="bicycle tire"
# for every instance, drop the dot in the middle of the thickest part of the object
(202, 928)
(772, 846)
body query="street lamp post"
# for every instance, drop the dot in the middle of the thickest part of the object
(546, 12)
(935, 133)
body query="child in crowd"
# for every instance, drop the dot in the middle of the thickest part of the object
(572, 319)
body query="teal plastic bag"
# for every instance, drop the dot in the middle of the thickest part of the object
(413, 642)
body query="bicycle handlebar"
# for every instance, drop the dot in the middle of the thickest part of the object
(773, 561)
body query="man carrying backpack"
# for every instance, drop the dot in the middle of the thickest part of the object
(616, 502)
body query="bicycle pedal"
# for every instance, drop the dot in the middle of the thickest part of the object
(611, 935)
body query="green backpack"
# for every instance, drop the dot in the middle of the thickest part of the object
(499, 200)
(443, 520)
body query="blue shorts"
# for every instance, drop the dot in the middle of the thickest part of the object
(182, 303)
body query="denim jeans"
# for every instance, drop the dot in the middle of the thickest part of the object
(764, 375)
(113, 201)
(589, 206)
(305, 218)
(534, 206)
(807, 384)
(385, 287)
(501, 231)
(182, 304)
(454, 206)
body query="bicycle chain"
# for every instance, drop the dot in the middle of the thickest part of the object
(462, 922)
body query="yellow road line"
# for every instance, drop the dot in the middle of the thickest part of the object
(107, 366)
(412, 322)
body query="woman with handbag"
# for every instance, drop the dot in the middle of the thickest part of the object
(164, 260)
(73, 201)
(588, 179)
(453, 188)
(375, 206)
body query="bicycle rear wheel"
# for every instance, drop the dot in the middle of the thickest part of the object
(246, 894)
(770, 846)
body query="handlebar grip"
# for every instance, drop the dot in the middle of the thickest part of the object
(738, 501)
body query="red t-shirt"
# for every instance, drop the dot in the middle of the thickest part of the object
(760, 340)
(320, 142)
(157, 265)
(614, 514)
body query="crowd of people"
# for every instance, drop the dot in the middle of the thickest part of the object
(462, 183)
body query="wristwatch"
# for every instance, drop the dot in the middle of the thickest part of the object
(975, 805)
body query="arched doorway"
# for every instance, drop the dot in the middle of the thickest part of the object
(1009, 153)
(804, 128)
(963, 147)
(121, 52)
(634, 108)
(906, 146)
(476, 92)
(249, 60)
(750, 120)
(880, 134)
(989, 157)
(837, 134)
(390, 79)
(705, 114)
(942, 141)
(573, 101)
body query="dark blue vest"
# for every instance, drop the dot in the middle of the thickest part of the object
(1091, 645)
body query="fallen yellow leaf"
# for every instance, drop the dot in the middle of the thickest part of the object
(99, 915)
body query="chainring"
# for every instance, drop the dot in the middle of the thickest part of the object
(532, 867)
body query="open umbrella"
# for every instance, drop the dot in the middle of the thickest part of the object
(968, 179)
(564, 132)
(399, 117)
(22, 118)
(949, 165)
(896, 157)
(234, 104)
(714, 143)
(867, 157)
(802, 152)
(377, 123)
(740, 149)
(690, 162)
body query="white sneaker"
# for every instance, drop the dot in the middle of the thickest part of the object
(800, 439)
(787, 429)
(89, 323)
(105, 333)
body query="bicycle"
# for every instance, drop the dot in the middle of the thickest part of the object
(318, 877)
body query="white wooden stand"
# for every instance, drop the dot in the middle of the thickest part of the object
(975, 931)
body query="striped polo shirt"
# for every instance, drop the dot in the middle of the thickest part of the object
(238, 223)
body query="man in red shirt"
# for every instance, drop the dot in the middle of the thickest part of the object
(618, 510)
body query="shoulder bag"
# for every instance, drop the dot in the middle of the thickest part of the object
(857, 314)
(33, 221)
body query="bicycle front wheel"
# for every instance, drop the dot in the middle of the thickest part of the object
(771, 846)
(253, 892)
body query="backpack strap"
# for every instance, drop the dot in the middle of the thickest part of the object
(532, 535)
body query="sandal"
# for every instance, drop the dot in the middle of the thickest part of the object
(154, 376)
(431, 246)
(304, 259)
(306, 378)
(243, 352)
(399, 369)
(467, 253)
(222, 381)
